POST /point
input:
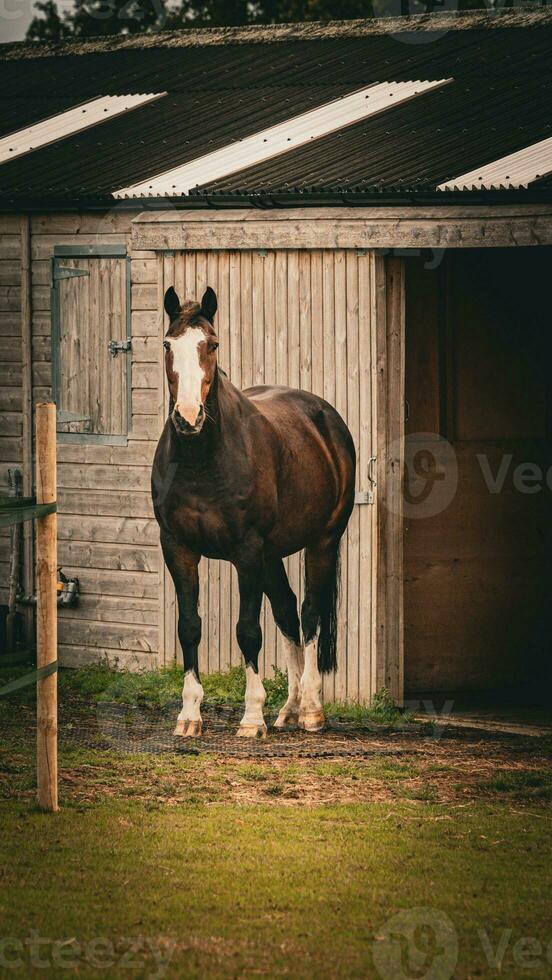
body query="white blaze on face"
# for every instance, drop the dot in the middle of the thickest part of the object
(185, 351)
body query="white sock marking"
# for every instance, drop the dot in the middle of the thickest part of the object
(311, 681)
(295, 664)
(255, 696)
(192, 696)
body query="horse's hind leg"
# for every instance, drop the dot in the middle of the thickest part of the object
(318, 624)
(284, 608)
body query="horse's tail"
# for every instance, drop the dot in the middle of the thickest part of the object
(327, 640)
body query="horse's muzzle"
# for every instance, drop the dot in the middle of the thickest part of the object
(183, 427)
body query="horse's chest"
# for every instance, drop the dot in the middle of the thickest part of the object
(206, 527)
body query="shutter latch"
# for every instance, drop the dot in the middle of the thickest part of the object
(368, 496)
(116, 347)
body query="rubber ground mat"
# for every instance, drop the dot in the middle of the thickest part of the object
(146, 729)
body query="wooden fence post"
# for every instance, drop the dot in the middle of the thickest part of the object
(46, 576)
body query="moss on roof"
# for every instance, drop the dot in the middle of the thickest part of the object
(274, 33)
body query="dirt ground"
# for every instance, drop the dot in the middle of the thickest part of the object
(111, 751)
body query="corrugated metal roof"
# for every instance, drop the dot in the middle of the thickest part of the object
(417, 146)
(517, 169)
(296, 131)
(153, 138)
(228, 85)
(59, 126)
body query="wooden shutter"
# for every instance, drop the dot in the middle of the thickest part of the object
(90, 311)
(304, 318)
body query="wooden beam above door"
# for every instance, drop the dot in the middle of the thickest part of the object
(383, 228)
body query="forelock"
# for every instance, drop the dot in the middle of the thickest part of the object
(190, 316)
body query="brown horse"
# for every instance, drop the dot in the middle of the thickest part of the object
(250, 477)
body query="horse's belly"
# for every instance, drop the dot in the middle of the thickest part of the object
(302, 516)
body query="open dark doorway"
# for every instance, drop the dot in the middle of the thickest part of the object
(478, 562)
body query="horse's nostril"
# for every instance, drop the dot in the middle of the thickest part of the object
(180, 421)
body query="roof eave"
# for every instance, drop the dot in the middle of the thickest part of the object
(268, 200)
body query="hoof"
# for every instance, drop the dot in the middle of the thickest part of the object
(312, 721)
(287, 719)
(251, 731)
(188, 729)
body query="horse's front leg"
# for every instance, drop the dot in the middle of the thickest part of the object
(183, 566)
(250, 638)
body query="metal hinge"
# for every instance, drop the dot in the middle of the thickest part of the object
(116, 347)
(63, 416)
(64, 272)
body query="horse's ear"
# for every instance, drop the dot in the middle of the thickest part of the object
(209, 304)
(172, 304)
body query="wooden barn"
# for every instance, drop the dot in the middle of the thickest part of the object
(372, 203)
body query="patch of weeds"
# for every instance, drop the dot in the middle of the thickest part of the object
(382, 710)
(540, 743)
(275, 789)
(27, 782)
(389, 769)
(157, 688)
(425, 793)
(15, 764)
(374, 769)
(534, 783)
(79, 755)
(254, 774)
(343, 770)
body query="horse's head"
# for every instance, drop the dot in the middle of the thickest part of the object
(190, 358)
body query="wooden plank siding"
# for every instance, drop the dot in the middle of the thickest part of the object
(293, 317)
(11, 393)
(107, 533)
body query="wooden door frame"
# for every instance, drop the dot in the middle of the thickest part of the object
(390, 339)
(388, 304)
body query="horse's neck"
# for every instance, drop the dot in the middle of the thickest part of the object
(230, 406)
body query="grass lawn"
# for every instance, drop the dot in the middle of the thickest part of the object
(211, 865)
(216, 891)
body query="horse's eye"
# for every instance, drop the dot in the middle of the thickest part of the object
(166, 345)
(212, 345)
